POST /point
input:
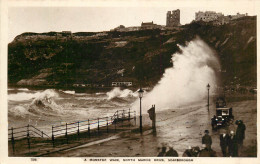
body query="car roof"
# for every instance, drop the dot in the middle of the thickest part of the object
(222, 109)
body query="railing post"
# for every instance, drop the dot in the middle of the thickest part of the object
(52, 136)
(123, 115)
(28, 137)
(154, 120)
(78, 128)
(42, 134)
(135, 117)
(98, 126)
(129, 116)
(117, 115)
(13, 139)
(66, 133)
(88, 128)
(107, 124)
(115, 120)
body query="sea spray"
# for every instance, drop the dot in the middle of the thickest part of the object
(117, 92)
(18, 111)
(22, 96)
(46, 95)
(68, 92)
(185, 83)
(53, 107)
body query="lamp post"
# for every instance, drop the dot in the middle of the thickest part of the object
(140, 96)
(208, 86)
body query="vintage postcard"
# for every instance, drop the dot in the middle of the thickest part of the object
(129, 81)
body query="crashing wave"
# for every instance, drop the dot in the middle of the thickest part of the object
(22, 96)
(46, 95)
(18, 111)
(117, 92)
(69, 92)
(185, 83)
(23, 89)
(45, 104)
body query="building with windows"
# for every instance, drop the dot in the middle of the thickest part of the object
(122, 84)
(216, 18)
(149, 26)
(207, 16)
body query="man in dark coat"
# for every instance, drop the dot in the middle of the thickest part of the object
(206, 139)
(232, 145)
(191, 152)
(207, 152)
(162, 153)
(171, 153)
(224, 143)
(240, 132)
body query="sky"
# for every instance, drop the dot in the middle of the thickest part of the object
(92, 18)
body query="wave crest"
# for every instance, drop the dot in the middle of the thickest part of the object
(117, 92)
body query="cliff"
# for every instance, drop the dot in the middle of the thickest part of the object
(61, 60)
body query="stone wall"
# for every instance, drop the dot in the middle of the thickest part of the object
(207, 16)
(173, 18)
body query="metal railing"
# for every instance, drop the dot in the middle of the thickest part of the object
(25, 131)
(28, 132)
(86, 126)
(32, 135)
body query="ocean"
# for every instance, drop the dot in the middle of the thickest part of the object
(44, 108)
(194, 67)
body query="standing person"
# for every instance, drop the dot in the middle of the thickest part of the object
(232, 145)
(224, 143)
(171, 153)
(162, 153)
(240, 132)
(206, 139)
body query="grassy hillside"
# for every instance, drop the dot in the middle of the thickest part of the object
(55, 59)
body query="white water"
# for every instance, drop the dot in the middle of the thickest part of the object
(186, 81)
(69, 92)
(182, 85)
(43, 108)
(117, 92)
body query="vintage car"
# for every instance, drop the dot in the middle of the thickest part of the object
(224, 115)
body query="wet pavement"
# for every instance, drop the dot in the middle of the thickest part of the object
(177, 127)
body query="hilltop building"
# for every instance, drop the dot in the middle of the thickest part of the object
(233, 17)
(122, 28)
(66, 33)
(216, 18)
(120, 84)
(207, 16)
(149, 25)
(173, 18)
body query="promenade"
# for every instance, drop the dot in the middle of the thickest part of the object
(180, 127)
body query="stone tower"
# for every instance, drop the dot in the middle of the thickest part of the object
(173, 18)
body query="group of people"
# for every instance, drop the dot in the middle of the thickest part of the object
(230, 144)
(190, 152)
(170, 153)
